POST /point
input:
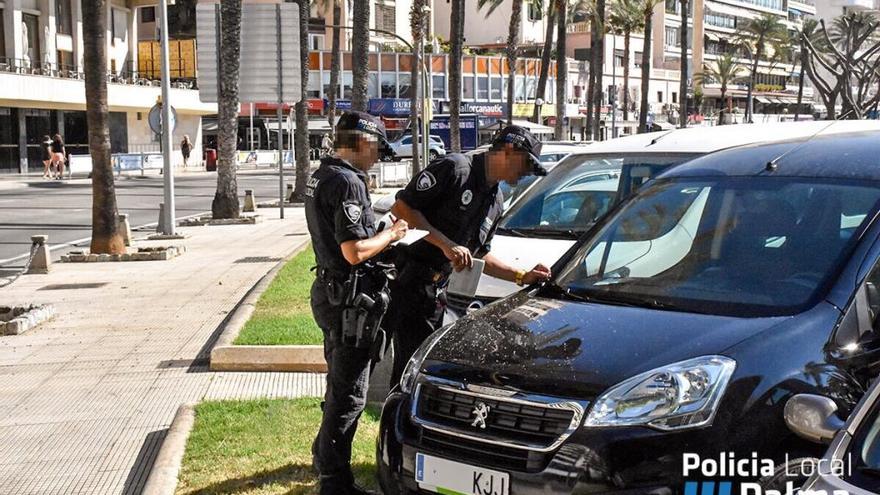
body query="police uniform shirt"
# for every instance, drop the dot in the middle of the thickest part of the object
(338, 209)
(454, 196)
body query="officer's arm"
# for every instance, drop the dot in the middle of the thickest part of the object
(497, 268)
(417, 220)
(358, 251)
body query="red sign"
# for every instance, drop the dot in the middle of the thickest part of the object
(315, 105)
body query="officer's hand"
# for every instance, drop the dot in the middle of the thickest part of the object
(460, 257)
(398, 230)
(539, 273)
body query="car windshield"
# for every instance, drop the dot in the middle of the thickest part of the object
(573, 196)
(740, 246)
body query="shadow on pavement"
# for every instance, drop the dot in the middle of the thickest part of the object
(143, 464)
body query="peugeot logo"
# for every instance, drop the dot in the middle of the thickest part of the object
(480, 412)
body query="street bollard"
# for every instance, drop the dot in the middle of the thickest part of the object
(289, 192)
(124, 228)
(160, 227)
(250, 205)
(41, 262)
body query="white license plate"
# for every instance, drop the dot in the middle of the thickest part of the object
(454, 478)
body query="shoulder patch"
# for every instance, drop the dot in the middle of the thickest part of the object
(353, 211)
(425, 181)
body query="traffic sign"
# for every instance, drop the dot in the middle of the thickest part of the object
(155, 118)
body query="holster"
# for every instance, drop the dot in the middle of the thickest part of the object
(365, 302)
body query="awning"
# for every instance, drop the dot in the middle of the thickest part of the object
(763, 99)
(721, 8)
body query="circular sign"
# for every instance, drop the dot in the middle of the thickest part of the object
(155, 118)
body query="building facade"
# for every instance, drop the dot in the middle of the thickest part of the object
(42, 89)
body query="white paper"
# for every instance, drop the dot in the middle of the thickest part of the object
(465, 282)
(412, 235)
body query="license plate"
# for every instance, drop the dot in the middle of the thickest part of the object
(454, 478)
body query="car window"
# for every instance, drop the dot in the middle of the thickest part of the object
(406, 140)
(864, 453)
(568, 209)
(551, 157)
(737, 246)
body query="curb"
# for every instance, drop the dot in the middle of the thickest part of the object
(166, 467)
(228, 357)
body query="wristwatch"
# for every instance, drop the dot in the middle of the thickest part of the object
(520, 274)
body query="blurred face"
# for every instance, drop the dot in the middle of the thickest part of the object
(507, 164)
(365, 154)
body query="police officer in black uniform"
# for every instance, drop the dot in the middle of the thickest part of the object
(340, 221)
(456, 199)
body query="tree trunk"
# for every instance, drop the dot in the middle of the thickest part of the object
(561, 68)
(683, 74)
(723, 103)
(335, 56)
(591, 77)
(600, 67)
(301, 134)
(360, 44)
(753, 77)
(456, 36)
(106, 238)
(545, 62)
(417, 26)
(646, 72)
(225, 204)
(626, 41)
(512, 42)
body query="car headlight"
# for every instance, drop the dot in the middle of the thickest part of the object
(673, 397)
(413, 367)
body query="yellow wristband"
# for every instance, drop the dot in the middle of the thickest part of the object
(519, 277)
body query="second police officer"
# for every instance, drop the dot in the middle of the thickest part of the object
(457, 200)
(349, 295)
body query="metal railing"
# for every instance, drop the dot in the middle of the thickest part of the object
(126, 76)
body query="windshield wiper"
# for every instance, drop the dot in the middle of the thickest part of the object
(566, 293)
(511, 232)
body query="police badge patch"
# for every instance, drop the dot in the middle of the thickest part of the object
(426, 181)
(353, 211)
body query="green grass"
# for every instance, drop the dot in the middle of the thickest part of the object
(283, 315)
(264, 447)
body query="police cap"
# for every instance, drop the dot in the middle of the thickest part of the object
(522, 140)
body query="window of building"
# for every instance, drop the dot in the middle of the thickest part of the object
(389, 85)
(531, 88)
(495, 85)
(119, 25)
(720, 20)
(534, 12)
(637, 60)
(347, 82)
(404, 86)
(2, 35)
(325, 85)
(438, 84)
(314, 87)
(482, 88)
(674, 97)
(519, 88)
(63, 17)
(65, 60)
(673, 7)
(467, 88)
(32, 23)
(373, 85)
(618, 58)
(386, 18)
(672, 36)
(148, 14)
(659, 96)
(316, 42)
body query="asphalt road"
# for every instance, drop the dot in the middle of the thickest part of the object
(62, 209)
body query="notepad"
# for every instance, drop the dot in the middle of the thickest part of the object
(465, 282)
(412, 236)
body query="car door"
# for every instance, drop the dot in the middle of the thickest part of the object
(405, 148)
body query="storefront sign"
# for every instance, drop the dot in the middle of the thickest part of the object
(315, 105)
(392, 107)
(485, 109)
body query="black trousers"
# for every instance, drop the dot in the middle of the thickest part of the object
(348, 374)
(416, 311)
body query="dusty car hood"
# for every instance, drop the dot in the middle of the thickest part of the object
(575, 349)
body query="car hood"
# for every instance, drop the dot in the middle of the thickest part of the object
(575, 349)
(521, 252)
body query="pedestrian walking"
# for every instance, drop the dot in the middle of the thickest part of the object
(326, 145)
(349, 295)
(186, 148)
(457, 200)
(46, 155)
(59, 155)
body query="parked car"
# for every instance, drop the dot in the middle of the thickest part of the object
(680, 323)
(639, 158)
(403, 148)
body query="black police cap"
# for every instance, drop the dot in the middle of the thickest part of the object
(524, 141)
(355, 121)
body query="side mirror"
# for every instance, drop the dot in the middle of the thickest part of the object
(813, 417)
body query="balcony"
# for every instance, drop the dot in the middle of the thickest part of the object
(60, 71)
(578, 27)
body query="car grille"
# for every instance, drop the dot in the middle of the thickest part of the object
(459, 303)
(498, 457)
(517, 423)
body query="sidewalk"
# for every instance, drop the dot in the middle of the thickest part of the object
(86, 398)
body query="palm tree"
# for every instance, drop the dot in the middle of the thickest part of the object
(360, 45)
(597, 66)
(417, 25)
(456, 35)
(724, 71)
(756, 37)
(807, 30)
(335, 66)
(683, 74)
(561, 67)
(106, 238)
(545, 60)
(225, 204)
(301, 134)
(626, 18)
(512, 44)
(648, 14)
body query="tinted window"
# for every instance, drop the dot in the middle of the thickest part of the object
(738, 246)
